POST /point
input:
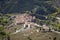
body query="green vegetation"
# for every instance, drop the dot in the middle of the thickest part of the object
(57, 26)
(2, 33)
(4, 20)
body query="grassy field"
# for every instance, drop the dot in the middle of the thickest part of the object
(32, 34)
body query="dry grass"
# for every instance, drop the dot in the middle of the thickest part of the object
(34, 35)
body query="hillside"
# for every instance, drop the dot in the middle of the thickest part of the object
(12, 6)
(38, 7)
(29, 19)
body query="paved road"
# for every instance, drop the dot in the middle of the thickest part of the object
(20, 30)
(23, 29)
(55, 31)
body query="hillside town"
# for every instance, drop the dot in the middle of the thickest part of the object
(29, 19)
(25, 22)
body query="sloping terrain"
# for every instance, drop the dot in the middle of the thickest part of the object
(38, 7)
(16, 6)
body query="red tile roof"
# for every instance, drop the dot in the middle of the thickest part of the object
(24, 18)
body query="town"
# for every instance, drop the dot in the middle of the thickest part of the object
(29, 19)
(25, 23)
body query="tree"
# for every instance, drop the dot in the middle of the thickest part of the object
(29, 38)
(57, 26)
(2, 33)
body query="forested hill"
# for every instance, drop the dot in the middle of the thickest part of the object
(39, 7)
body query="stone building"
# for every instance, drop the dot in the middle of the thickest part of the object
(25, 19)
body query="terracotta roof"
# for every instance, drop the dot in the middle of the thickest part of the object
(23, 18)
